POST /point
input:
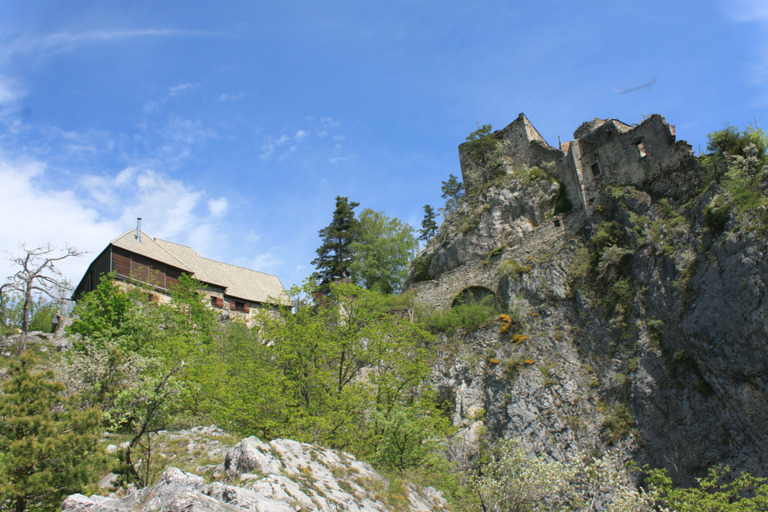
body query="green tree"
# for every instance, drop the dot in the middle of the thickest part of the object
(328, 367)
(47, 449)
(108, 314)
(453, 192)
(428, 225)
(383, 249)
(748, 149)
(335, 256)
(713, 493)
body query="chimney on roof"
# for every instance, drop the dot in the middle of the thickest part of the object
(138, 229)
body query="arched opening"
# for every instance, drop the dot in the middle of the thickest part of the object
(475, 295)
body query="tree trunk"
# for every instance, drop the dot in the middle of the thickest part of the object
(20, 504)
(24, 326)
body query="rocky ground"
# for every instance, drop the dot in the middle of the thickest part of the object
(279, 476)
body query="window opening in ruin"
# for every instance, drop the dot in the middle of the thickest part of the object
(475, 295)
(641, 149)
(595, 169)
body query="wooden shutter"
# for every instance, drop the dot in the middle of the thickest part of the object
(246, 308)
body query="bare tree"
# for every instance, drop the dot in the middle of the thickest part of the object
(38, 276)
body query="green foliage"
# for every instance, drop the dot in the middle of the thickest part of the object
(109, 314)
(514, 269)
(717, 213)
(484, 150)
(428, 225)
(464, 316)
(514, 481)
(453, 192)
(747, 149)
(47, 449)
(617, 422)
(382, 251)
(421, 269)
(134, 359)
(322, 373)
(42, 316)
(751, 168)
(563, 204)
(408, 435)
(717, 492)
(335, 256)
(41, 313)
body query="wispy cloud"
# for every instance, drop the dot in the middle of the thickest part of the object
(270, 144)
(230, 97)
(68, 41)
(266, 262)
(153, 106)
(10, 91)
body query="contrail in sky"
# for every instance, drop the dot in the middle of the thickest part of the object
(648, 85)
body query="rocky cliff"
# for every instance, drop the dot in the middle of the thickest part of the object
(638, 325)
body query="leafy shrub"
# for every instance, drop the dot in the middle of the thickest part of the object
(421, 269)
(464, 316)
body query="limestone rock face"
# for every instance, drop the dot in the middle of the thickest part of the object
(280, 476)
(673, 373)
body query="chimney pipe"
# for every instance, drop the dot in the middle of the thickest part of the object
(138, 229)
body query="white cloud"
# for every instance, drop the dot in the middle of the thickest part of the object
(322, 134)
(300, 135)
(37, 216)
(339, 137)
(329, 121)
(230, 97)
(217, 206)
(271, 144)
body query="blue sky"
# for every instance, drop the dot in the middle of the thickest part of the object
(231, 127)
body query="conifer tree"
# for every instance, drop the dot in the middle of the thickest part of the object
(428, 224)
(334, 257)
(453, 192)
(47, 450)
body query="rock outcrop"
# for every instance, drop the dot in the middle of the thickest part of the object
(280, 476)
(639, 327)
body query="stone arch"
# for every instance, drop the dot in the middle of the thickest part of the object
(474, 295)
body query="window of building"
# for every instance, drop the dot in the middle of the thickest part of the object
(217, 302)
(240, 306)
(641, 149)
(595, 169)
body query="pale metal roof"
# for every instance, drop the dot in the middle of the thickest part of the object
(239, 282)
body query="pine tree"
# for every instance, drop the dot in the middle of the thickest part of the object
(47, 450)
(453, 192)
(428, 224)
(334, 257)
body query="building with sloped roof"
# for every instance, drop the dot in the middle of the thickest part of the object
(134, 256)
